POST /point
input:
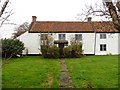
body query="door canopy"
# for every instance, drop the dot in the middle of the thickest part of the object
(60, 42)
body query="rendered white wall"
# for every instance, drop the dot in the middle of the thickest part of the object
(111, 41)
(31, 42)
(87, 41)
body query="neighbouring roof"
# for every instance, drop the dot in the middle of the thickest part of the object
(71, 27)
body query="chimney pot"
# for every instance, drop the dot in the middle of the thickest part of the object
(34, 18)
(89, 19)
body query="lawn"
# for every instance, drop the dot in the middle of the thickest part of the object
(37, 72)
(31, 72)
(94, 71)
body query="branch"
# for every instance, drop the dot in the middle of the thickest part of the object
(3, 7)
(4, 19)
(96, 10)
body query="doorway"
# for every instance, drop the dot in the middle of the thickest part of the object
(61, 44)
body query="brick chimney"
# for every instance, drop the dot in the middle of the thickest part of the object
(89, 19)
(34, 18)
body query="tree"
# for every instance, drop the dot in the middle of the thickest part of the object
(109, 9)
(4, 14)
(21, 29)
(114, 13)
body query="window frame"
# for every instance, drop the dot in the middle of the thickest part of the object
(103, 36)
(103, 47)
(62, 36)
(78, 37)
(45, 36)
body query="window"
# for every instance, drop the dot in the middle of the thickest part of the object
(78, 37)
(103, 47)
(44, 36)
(102, 36)
(61, 36)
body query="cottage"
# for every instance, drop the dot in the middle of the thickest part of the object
(98, 38)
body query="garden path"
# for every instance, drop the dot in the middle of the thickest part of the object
(65, 79)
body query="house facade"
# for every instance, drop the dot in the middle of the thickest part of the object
(97, 38)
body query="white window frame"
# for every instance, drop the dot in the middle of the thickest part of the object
(44, 36)
(103, 47)
(78, 37)
(103, 36)
(62, 36)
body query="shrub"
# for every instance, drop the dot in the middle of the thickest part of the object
(67, 52)
(73, 51)
(11, 47)
(50, 51)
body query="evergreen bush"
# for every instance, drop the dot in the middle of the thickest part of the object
(11, 47)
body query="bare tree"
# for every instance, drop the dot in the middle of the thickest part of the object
(21, 29)
(108, 9)
(4, 14)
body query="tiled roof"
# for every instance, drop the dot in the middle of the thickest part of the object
(69, 27)
(104, 27)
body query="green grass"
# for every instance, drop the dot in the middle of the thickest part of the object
(94, 71)
(31, 72)
(37, 72)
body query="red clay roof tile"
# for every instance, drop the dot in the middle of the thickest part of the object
(69, 27)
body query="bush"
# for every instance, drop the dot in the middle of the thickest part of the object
(67, 52)
(11, 47)
(50, 51)
(73, 51)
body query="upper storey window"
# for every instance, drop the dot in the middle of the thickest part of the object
(62, 36)
(103, 36)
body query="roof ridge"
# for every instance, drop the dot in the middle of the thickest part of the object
(72, 21)
(60, 21)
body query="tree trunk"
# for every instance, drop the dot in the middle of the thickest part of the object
(114, 15)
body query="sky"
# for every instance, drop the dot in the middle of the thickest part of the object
(44, 10)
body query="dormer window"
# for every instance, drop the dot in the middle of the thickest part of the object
(102, 36)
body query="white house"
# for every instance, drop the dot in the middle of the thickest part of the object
(98, 38)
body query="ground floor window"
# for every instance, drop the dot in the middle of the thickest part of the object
(103, 47)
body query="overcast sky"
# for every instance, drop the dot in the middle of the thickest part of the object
(45, 10)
